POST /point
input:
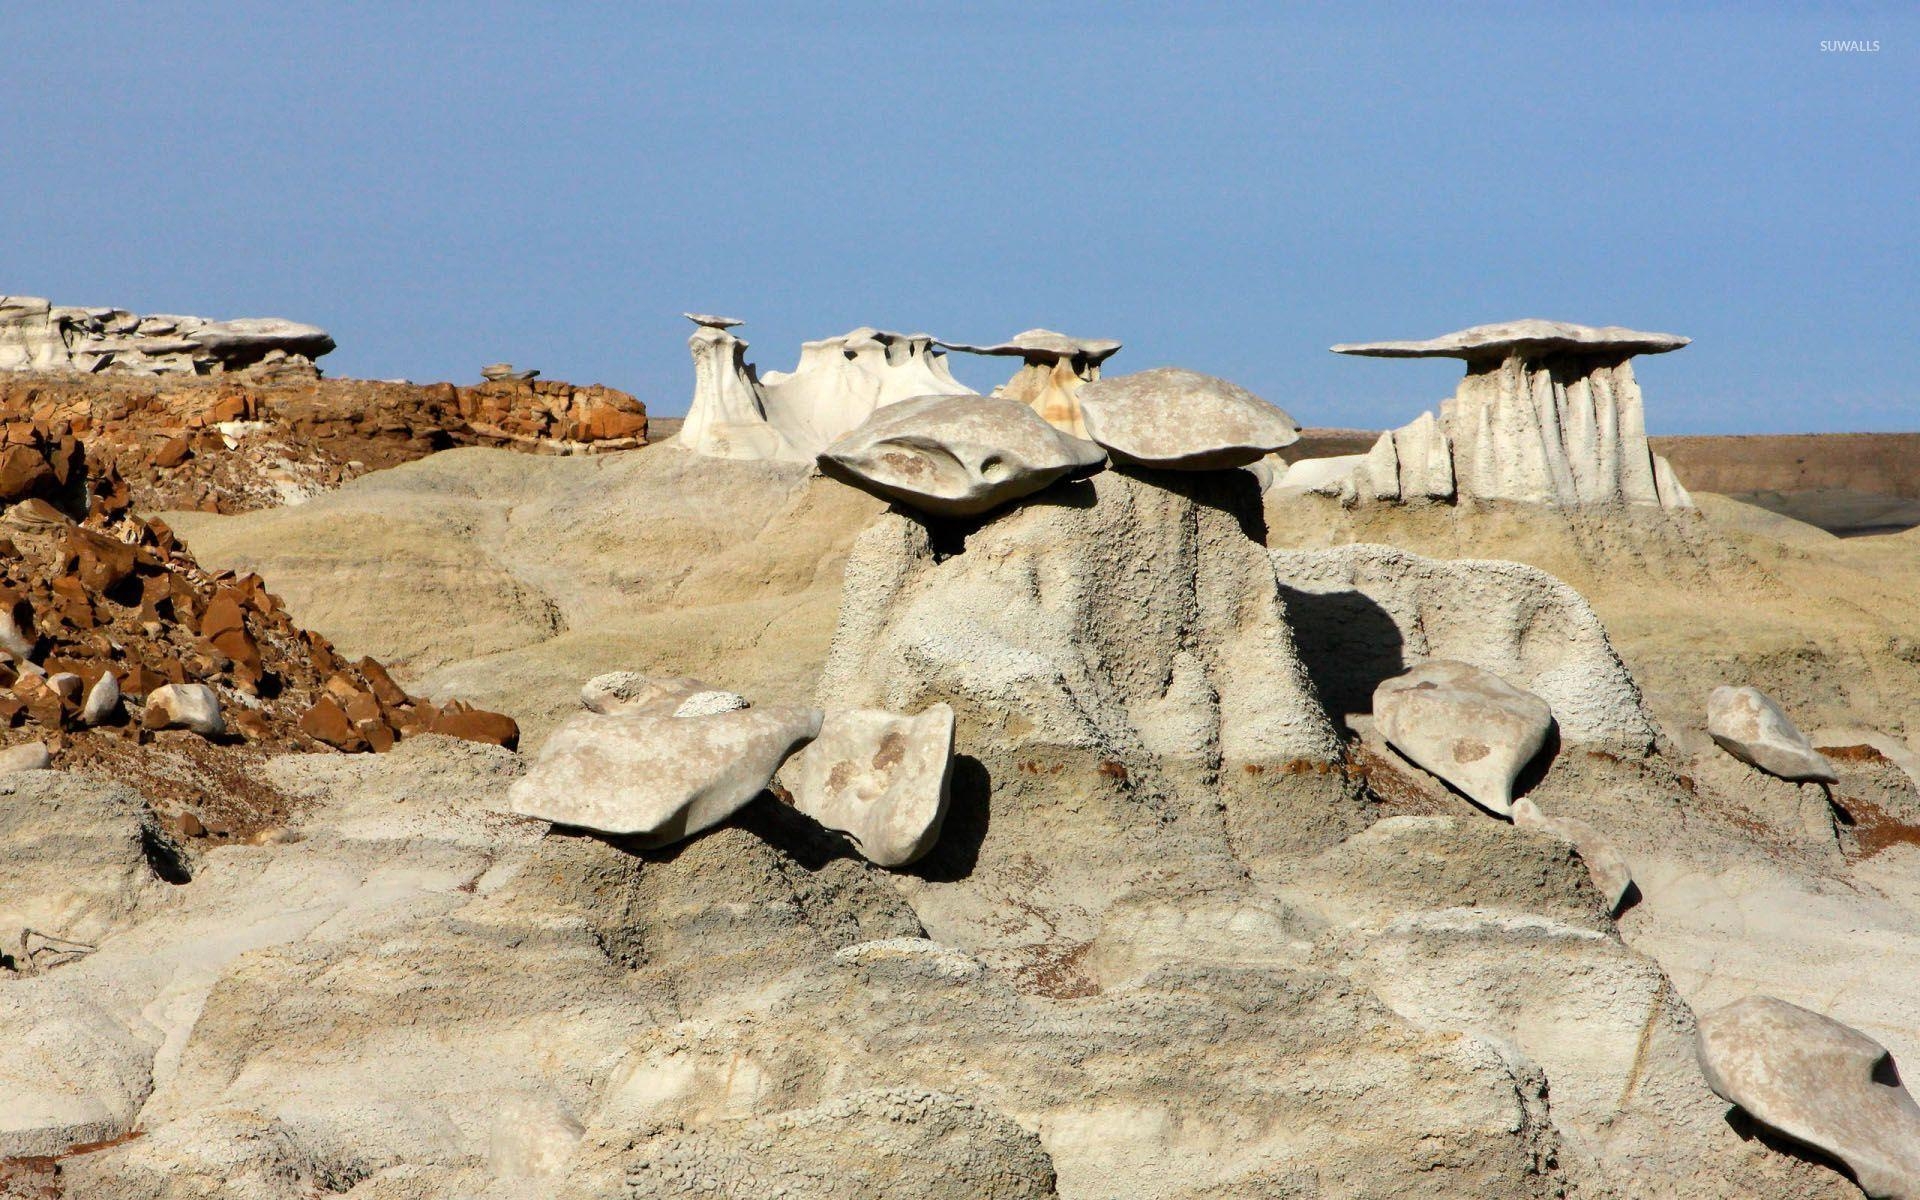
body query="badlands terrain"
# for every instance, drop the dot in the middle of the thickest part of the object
(871, 788)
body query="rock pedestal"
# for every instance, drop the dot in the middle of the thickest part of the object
(1549, 413)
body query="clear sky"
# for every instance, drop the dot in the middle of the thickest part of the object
(1228, 188)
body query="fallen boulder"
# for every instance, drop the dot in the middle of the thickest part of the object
(193, 706)
(1468, 726)
(878, 777)
(1819, 1082)
(957, 455)
(659, 778)
(1182, 420)
(1748, 724)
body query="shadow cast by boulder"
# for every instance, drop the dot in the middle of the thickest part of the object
(1349, 644)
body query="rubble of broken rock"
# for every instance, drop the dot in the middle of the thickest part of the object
(255, 439)
(119, 651)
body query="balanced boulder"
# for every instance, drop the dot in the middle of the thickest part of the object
(1750, 726)
(1054, 366)
(1182, 420)
(1468, 726)
(660, 778)
(957, 455)
(1819, 1082)
(878, 777)
(193, 706)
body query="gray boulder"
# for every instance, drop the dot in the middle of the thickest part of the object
(1468, 726)
(1819, 1082)
(957, 455)
(659, 778)
(878, 777)
(1750, 726)
(1182, 420)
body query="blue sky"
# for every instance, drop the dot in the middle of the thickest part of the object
(1228, 188)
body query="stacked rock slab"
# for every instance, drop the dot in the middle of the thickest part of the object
(791, 417)
(1819, 1082)
(656, 774)
(1055, 366)
(36, 335)
(1549, 413)
(1181, 420)
(957, 455)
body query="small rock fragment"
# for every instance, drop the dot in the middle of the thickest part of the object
(103, 700)
(1468, 726)
(630, 691)
(1605, 864)
(706, 704)
(1750, 726)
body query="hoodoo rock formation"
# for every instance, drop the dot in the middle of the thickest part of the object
(1038, 833)
(1549, 413)
(36, 335)
(1053, 368)
(842, 381)
(790, 417)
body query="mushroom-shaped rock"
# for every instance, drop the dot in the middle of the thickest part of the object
(1548, 413)
(1750, 726)
(1182, 420)
(878, 777)
(193, 706)
(1468, 726)
(27, 756)
(1820, 1083)
(1605, 865)
(711, 320)
(630, 691)
(658, 777)
(840, 381)
(957, 455)
(1055, 367)
(1531, 337)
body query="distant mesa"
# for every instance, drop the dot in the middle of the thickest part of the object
(1549, 413)
(37, 335)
